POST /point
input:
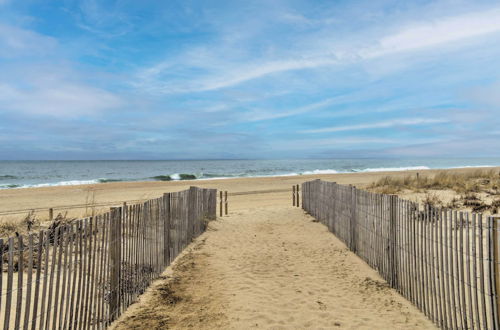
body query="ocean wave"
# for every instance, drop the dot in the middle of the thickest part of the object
(8, 177)
(175, 176)
(162, 178)
(55, 184)
(328, 171)
(393, 169)
(9, 186)
(111, 180)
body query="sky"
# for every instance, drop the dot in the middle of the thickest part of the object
(207, 79)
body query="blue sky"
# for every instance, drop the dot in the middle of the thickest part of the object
(249, 79)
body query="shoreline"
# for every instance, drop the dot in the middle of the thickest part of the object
(175, 177)
(117, 192)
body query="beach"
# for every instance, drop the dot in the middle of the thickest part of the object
(265, 265)
(244, 193)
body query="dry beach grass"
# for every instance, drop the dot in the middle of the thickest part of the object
(448, 188)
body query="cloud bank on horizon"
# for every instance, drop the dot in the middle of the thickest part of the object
(248, 79)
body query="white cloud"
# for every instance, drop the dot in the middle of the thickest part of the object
(15, 42)
(438, 32)
(258, 115)
(63, 99)
(383, 124)
(219, 70)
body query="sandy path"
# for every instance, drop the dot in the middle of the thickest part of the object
(271, 268)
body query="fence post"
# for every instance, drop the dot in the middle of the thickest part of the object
(220, 203)
(191, 216)
(166, 229)
(115, 240)
(353, 219)
(51, 214)
(496, 265)
(393, 211)
(225, 200)
(293, 195)
(298, 196)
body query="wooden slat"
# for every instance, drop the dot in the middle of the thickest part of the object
(463, 284)
(29, 282)
(447, 272)
(75, 310)
(41, 316)
(493, 245)
(474, 273)
(482, 278)
(451, 270)
(1, 272)
(469, 281)
(65, 266)
(88, 268)
(60, 243)
(20, 275)
(41, 238)
(72, 275)
(10, 275)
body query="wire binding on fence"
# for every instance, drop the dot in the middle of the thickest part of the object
(84, 274)
(445, 262)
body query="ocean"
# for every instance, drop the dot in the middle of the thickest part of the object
(22, 174)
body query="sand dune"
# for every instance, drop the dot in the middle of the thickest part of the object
(271, 268)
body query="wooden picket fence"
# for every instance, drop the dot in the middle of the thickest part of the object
(84, 274)
(445, 262)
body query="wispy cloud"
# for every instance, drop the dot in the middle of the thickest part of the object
(59, 100)
(417, 36)
(16, 42)
(382, 124)
(266, 78)
(438, 32)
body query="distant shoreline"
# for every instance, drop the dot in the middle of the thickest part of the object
(118, 192)
(5, 185)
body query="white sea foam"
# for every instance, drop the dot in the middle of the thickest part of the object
(393, 169)
(329, 171)
(61, 183)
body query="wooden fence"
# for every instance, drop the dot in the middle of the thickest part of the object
(86, 273)
(445, 262)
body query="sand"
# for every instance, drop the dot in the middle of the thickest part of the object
(266, 265)
(271, 268)
(117, 192)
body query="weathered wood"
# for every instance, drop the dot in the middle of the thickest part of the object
(496, 269)
(392, 240)
(55, 308)
(37, 278)
(474, 273)
(115, 255)
(45, 278)
(469, 281)
(425, 255)
(66, 275)
(1, 272)
(29, 282)
(298, 197)
(220, 205)
(482, 278)
(20, 275)
(226, 202)
(84, 274)
(10, 275)
(462, 273)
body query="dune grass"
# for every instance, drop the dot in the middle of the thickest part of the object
(468, 186)
(462, 183)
